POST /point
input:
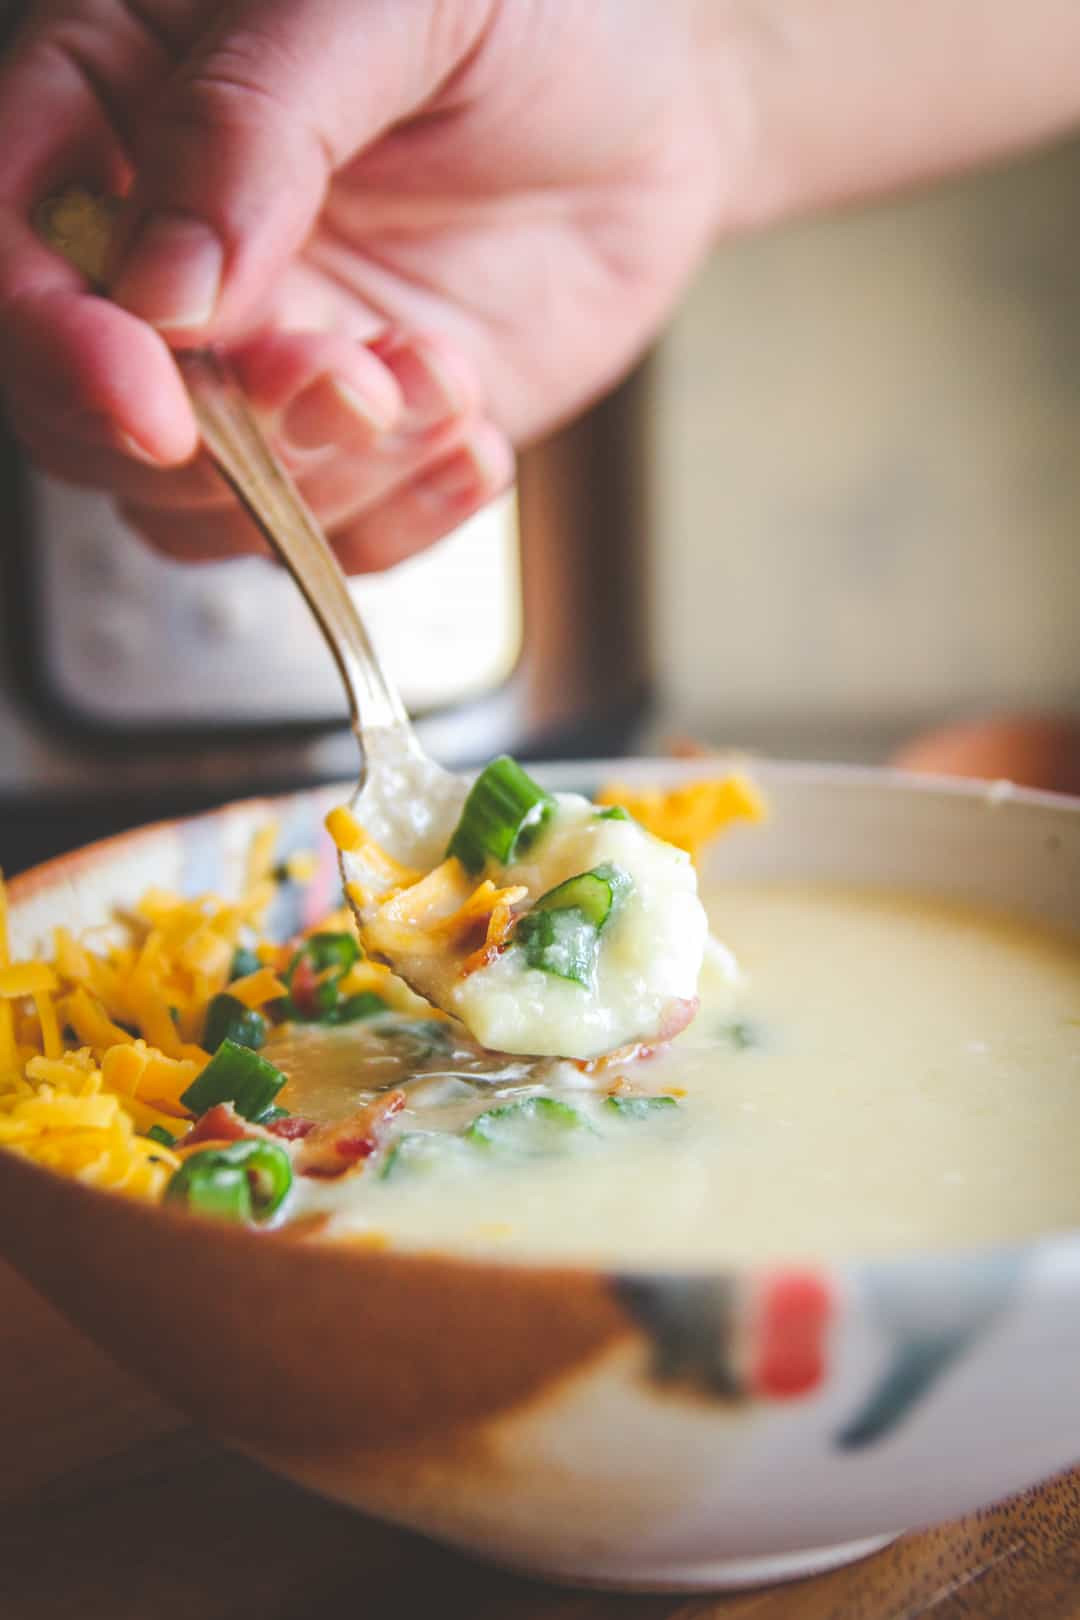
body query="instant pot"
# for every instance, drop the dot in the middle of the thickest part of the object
(132, 688)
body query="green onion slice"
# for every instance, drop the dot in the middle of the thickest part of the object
(227, 1019)
(561, 934)
(563, 943)
(595, 893)
(420, 1151)
(327, 958)
(638, 1107)
(613, 812)
(158, 1133)
(238, 1075)
(502, 817)
(246, 1181)
(533, 1126)
(365, 1004)
(244, 962)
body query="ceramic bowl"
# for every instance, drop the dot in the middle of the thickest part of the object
(676, 1430)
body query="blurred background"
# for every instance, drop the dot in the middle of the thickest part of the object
(839, 505)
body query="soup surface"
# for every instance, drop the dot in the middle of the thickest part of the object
(889, 1072)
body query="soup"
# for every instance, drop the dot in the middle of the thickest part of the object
(888, 1072)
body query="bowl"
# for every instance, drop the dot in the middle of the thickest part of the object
(672, 1430)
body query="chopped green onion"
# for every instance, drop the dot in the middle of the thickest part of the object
(158, 1133)
(595, 893)
(420, 1150)
(365, 1004)
(561, 934)
(243, 963)
(742, 1035)
(418, 1038)
(248, 1180)
(613, 812)
(327, 958)
(238, 1075)
(337, 951)
(564, 943)
(638, 1107)
(502, 817)
(228, 1019)
(535, 1125)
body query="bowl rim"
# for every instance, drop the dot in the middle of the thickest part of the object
(701, 1273)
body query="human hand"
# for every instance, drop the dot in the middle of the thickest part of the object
(313, 183)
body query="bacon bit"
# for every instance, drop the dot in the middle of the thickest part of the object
(293, 1128)
(305, 982)
(679, 1012)
(499, 925)
(219, 1124)
(332, 1150)
(481, 959)
(484, 902)
(624, 1054)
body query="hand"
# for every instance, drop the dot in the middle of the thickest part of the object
(527, 185)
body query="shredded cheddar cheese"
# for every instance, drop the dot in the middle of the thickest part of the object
(692, 815)
(98, 1046)
(350, 838)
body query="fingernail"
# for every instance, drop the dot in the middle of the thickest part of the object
(456, 481)
(328, 411)
(171, 276)
(432, 386)
(132, 447)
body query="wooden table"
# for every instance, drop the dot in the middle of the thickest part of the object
(116, 1508)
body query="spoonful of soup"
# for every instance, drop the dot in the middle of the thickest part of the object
(547, 925)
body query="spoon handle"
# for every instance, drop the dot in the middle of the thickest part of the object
(238, 447)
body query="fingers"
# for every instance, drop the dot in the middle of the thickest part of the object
(62, 351)
(235, 156)
(379, 506)
(97, 374)
(438, 499)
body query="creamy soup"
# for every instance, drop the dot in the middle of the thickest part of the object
(885, 1073)
(556, 927)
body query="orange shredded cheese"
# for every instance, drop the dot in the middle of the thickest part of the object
(52, 1042)
(25, 979)
(256, 989)
(692, 815)
(351, 838)
(344, 829)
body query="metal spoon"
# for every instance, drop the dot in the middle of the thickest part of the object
(406, 802)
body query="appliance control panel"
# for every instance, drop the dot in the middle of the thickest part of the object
(127, 638)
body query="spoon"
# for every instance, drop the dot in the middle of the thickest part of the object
(404, 800)
(416, 839)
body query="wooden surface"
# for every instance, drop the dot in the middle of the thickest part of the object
(115, 1508)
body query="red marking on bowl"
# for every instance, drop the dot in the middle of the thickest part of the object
(788, 1352)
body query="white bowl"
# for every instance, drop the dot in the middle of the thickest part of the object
(582, 1425)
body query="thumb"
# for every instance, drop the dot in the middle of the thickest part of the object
(233, 163)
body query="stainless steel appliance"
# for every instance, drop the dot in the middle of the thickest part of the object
(133, 688)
